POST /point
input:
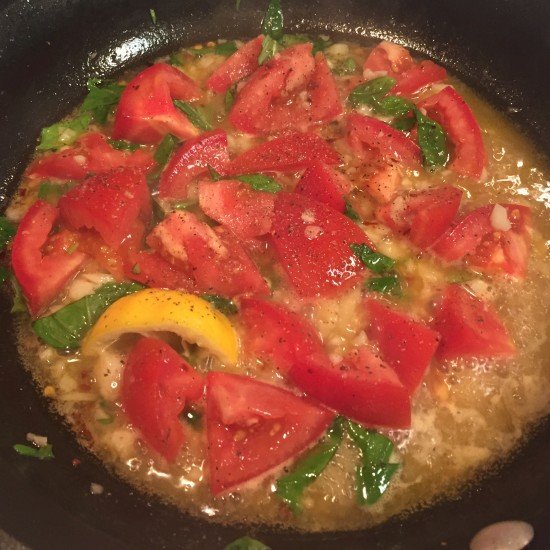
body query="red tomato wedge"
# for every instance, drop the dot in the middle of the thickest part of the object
(293, 91)
(214, 257)
(191, 160)
(312, 242)
(324, 184)
(287, 153)
(469, 327)
(406, 345)
(490, 241)
(146, 112)
(91, 155)
(246, 212)
(253, 427)
(424, 216)
(361, 387)
(389, 58)
(418, 77)
(385, 182)
(156, 385)
(275, 334)
(109, 203)
(379, 137)
(236, 67)
(43, 265)
(468, 155)
(152, 270)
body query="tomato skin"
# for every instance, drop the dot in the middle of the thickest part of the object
(323, 92)
(312, 242)
(214, 257)
(246, 212)
(146, 113)
(405, 344)
(389, 58)
(324, 184)
(91, 155)
(474, 240)
(191, 160)
(236, 67)
(287, 153)
(469, 327)
(253, 427)
(389, 143)
(361, 387)
(274, 333)
(424, 216)
(418, 77)
(156, 385)
(468, 157)
(42, 276)
(109, 203)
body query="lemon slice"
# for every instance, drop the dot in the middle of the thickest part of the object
(154, 310)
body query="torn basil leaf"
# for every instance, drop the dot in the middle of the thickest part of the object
(51, 192)
(101, 99)
(375, 261)
(351, 213)
(193, 114)
(63, 133)
(272, 23)
(270, 47)
(259, 182)
(65, 328)
(230, 98)
(370, 92)
(388, 284)
(216, 176)
(320, 44)
(246, 543)
(165, 149)
(348, 66)
(123, 145)
(41, 453)
(225, 305)
(432, 141)
(405, 123)
(392, 105)
(153, 15)
(223, 48)
(292, 39)
(19, 305)
(7, 232)
(291, 486)
(373, 480)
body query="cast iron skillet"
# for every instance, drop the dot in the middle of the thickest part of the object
(48, 48)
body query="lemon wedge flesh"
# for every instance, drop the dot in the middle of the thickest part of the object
(154, 310)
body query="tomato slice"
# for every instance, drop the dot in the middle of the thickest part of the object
(91, 155)
(253, 427)
(246, 212)
(191, 160)
(361, 387)
(287, 153)
(389, 58)
(312, 242)
(384, 183)
(482, 242)
(405, 344)
(156, 385)
(468, 156)
(418, 77)
(43, 265)
(367, 134)
(424, 216)
(214, 257)
(324, 184)
(469, 327)
(236, 67)
(273, 333)
(293, 91)
(146, 112)
(109, 203)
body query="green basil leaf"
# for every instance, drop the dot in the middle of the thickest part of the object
(7, 232)
(19, 304)
(193, 114)
(388, 284)
(351, 213)
(291, 486)
(292, 39)
(216, 176)
(175, 60)
(405, 124)
(165, 149)
(373, 480)
(51, 192)
(63, 133)
(237, 4)
(226, 306)
(320, 45)
(4, 274)
(183, 205)
(272, 23)
(347, 66)
(270, 47)
(432, 142)
(370, 92)
(123, 145)
(41, 453)
(393, 106)
(371, 443)
(65, 328)
(375, 261)
(259, 182)
(223, 48)
(101, 98)
(153, 15)
(246, 543)
(230, 98)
